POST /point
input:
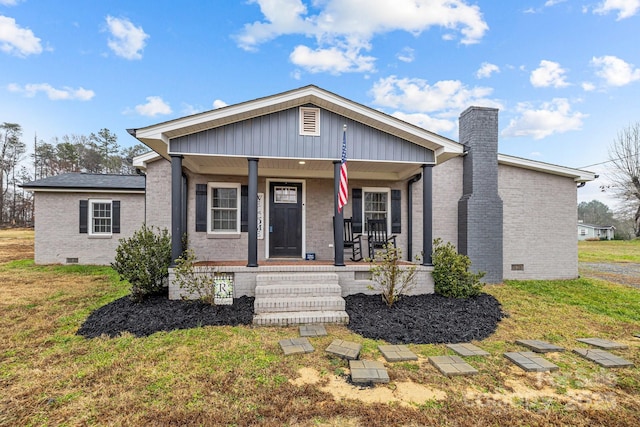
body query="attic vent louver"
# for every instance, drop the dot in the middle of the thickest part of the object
(309, 121)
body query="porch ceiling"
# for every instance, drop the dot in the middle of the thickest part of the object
(291, 168)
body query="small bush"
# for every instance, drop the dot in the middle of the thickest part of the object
(194, 279)
(391, 279)
(451, 274)
(143, 260)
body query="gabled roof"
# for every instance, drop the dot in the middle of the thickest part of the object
(88, 182)
(157, 136)
(599, 227)
(578, 175)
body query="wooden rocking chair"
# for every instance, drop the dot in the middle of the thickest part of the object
(377, 237)
(351, 241)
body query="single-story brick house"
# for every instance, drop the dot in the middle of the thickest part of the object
(258, 181)
(254, 187)
(79, 217)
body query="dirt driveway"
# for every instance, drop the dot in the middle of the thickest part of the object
(623, 273)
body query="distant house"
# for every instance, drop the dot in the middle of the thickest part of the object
(590, 231)
(79, 217)
(254, 188)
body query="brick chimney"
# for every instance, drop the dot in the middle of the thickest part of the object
(480, 208)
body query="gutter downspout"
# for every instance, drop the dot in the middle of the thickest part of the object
(411, 181)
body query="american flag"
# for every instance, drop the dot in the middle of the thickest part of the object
(343, 194)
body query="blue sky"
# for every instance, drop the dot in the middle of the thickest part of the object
(565, 74)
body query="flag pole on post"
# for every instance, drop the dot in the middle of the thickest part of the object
(343, 194)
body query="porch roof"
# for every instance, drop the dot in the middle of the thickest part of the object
(157, 136)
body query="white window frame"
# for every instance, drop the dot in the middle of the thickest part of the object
(210, 187)
(90, 217)
(364, 212)
(316, 112)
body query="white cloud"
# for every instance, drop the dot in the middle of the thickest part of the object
(219, 103)
(550, 3)
(615, 71)
(588, 86)
(449, 97)
(425, 121)
(127, 40)
(625, 8)
(332, 60)
(9, 2)
(435, 107)
(66, 93)
(406, 55)
(344, 28)
(154, 106)
(16, 40)
(486, 69)
(549, 73)
(549, 118)
(189, 110)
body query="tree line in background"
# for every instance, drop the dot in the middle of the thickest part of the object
(94, 153)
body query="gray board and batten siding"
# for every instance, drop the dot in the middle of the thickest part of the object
(277, 135)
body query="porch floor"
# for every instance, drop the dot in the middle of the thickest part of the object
(293, 262)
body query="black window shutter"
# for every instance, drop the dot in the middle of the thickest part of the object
(396, 211)
(84, 215)
(244, 211)
(201, 207)
(115, 206)
(356, 210)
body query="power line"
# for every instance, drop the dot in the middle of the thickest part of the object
(608, 161)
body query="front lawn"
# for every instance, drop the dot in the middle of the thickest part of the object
(237, 375)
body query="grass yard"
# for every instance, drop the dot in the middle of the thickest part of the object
(237, 376)
(609, 251)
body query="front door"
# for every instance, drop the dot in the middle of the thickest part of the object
(285, 219)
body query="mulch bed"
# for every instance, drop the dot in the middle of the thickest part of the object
(420, 319)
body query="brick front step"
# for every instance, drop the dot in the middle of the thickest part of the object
(284, 304)
(300, 318)
(304, 290)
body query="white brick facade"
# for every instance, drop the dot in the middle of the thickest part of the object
(57, 227)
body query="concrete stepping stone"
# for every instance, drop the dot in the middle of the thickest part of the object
(452, 366)
(603, 358)
(345, 349)
(539, 346)
(603, 343)
(636, 335)
(397, 353)
(296, 346)
(530, 361)
(312, 331)
(368, 371)
(466, 349)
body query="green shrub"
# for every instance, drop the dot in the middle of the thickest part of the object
(389, 278)
(451, 274)
(195, 279)
(143, 260)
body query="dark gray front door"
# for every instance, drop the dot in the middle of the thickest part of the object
(285, 219)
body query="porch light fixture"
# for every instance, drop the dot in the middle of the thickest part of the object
(302, 162)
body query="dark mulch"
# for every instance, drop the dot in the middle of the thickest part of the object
(424, 319)
(159, 313)
(420, 319)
